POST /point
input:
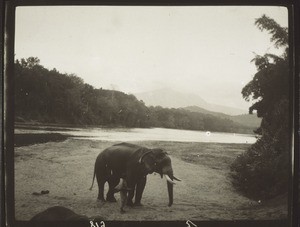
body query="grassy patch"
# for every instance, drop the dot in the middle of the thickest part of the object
(213, 155)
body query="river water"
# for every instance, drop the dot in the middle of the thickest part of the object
(140, 134)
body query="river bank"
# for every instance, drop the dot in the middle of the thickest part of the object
(66, 168)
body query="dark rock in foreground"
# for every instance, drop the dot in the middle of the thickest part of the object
(58, 213)
(35, 138)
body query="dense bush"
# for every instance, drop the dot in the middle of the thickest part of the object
(262, 171)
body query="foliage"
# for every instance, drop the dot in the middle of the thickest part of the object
(279, 34)
(49, 96)
(262, 171)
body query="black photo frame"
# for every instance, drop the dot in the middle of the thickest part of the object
(7, 157)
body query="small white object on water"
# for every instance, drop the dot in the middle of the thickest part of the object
(208, 133)
(259, 201)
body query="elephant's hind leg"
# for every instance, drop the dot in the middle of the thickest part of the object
(101, 183)
(101, 178)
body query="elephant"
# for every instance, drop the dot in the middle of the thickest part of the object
(133, 163)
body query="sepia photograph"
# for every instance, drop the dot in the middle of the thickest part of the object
(152, 113)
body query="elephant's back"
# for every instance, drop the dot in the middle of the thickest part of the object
(122, 149)
(118, 155)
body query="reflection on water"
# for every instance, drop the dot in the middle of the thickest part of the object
(139, 134)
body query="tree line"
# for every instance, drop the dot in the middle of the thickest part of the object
(48, 96)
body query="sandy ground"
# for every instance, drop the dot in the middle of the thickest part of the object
(66, 170)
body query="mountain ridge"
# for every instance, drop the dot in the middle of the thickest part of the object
(249, 120)
(170, 98)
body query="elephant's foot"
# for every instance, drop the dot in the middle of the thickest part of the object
(130, 203)
(102, 200)
(137, 204)
(111, 199)
(122, 211)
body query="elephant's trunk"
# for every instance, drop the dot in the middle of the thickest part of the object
(167, 171)
(169, 177)
(170, 192)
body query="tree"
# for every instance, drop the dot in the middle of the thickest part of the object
(29, 62)
(262, 171)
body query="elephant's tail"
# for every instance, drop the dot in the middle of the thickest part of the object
(93, 178)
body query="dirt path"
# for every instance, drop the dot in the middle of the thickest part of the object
(66, 170)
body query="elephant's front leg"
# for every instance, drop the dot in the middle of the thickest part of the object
(112, 182)
(139, 190)
(123, 195)
(130, 197)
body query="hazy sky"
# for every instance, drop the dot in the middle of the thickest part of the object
(201, 50)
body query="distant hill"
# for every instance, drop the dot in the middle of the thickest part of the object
(170, 98)
(249, 120)
(204, 111)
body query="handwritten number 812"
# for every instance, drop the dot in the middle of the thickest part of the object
(102, 224)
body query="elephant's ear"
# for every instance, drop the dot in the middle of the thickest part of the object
(147, 161)
(143, 155)
(159, 153)
(134, 165)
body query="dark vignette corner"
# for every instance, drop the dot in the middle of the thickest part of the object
(8, 110)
